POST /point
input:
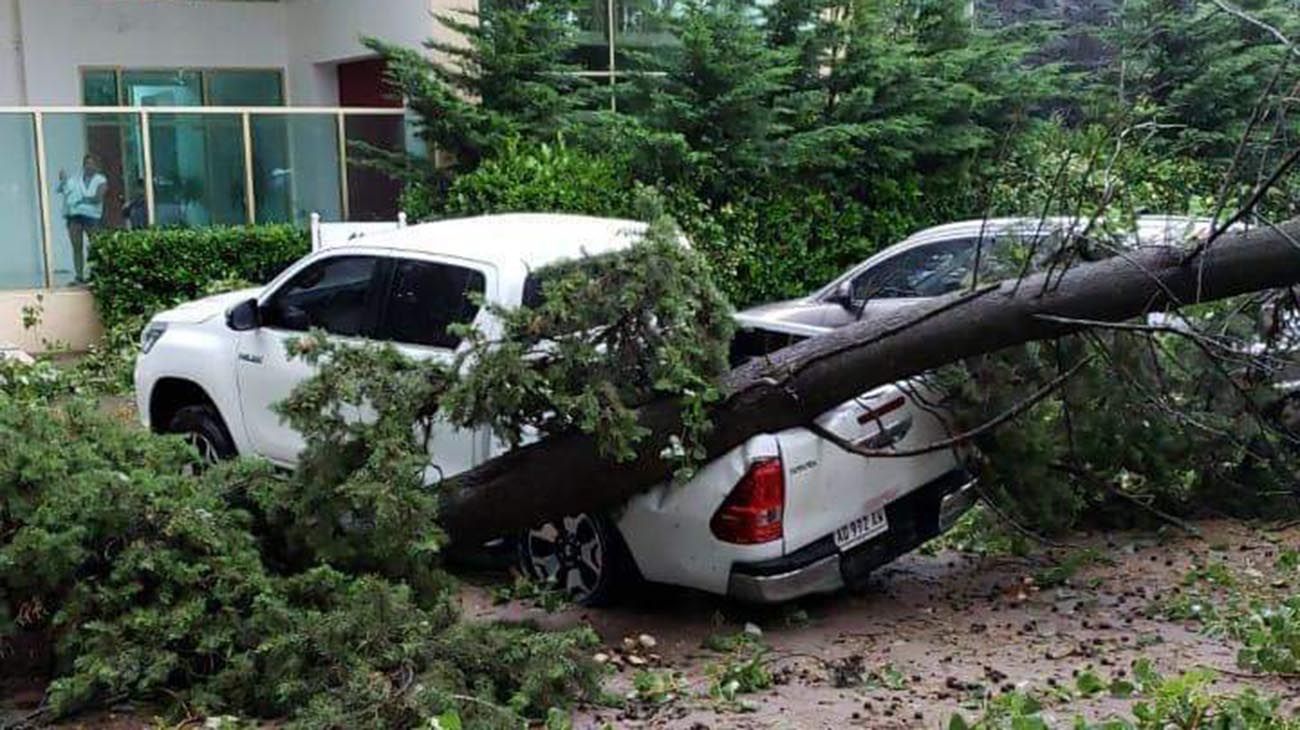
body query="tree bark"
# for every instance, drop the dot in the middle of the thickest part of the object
(565, 474)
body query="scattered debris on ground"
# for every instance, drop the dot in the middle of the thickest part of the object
(943, 634)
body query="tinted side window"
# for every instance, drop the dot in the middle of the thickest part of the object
(928, 271)
(426, 299)
(751, 343)
(332, 295)
(533, 292)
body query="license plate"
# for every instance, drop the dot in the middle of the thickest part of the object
(862, 529)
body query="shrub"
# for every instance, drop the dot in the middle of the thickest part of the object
(137, 273)
(531, 178)
(148, 583)
(787, 242)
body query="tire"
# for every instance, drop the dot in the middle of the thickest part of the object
(203, 428)
(582, 554)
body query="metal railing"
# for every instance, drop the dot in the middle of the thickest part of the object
(190, 166)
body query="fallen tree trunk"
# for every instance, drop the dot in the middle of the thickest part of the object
(565, 474)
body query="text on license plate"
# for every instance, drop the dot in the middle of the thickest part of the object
(862, 529)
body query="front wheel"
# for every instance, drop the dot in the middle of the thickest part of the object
(203, 428)
(582, 555)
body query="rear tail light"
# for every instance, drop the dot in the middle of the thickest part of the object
(752, 513)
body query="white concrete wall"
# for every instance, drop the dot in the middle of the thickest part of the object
(62, 36)
(305, 38)
(68, 320)
(324, 33)
(331, 30)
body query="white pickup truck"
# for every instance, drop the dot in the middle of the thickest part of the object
(783, 515)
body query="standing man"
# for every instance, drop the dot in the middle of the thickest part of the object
(83, 209)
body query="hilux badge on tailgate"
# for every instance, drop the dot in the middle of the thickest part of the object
(801, 468)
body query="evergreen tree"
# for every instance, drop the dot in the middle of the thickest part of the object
(506, 79)
(719, 90)
(1204, 70)
(905, 85)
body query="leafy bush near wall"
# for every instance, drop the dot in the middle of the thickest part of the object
(136, 273)
(527, 178)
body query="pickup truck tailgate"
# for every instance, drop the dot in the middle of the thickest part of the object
(828, 488)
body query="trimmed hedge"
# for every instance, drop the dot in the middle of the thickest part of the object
(137, 273)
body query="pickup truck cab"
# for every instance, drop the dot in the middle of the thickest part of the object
(781, 516)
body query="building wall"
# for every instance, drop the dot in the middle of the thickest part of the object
(324, 33)
(305, 38)
(330, 30)
(11, 56)
(67, 320)
(62, 36)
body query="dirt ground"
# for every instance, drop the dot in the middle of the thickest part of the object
(941, 632)
(930, 636)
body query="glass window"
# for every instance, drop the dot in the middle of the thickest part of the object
(99, 87)
(244, 88)
(162, 88)
(926, 271)
(22, 264)
(333, 295)
(182, 87)
(373, 194)
(643, 33)
(426, 298)
(296, 167)
(80, 149)
(591, 19)
(198, 167)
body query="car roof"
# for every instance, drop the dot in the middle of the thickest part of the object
(1150, 230)
(524, 240)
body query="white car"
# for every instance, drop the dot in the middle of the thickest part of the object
(781, 516)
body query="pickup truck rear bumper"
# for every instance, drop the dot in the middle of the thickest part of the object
(914, 518)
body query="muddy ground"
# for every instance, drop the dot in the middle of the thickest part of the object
(934, 635)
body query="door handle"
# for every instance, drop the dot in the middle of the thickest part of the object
(254, 359)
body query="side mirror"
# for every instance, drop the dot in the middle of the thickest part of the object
(843, 295)
(244, 316)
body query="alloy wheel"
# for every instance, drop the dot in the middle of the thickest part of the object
(569, 554)
(209, 455)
